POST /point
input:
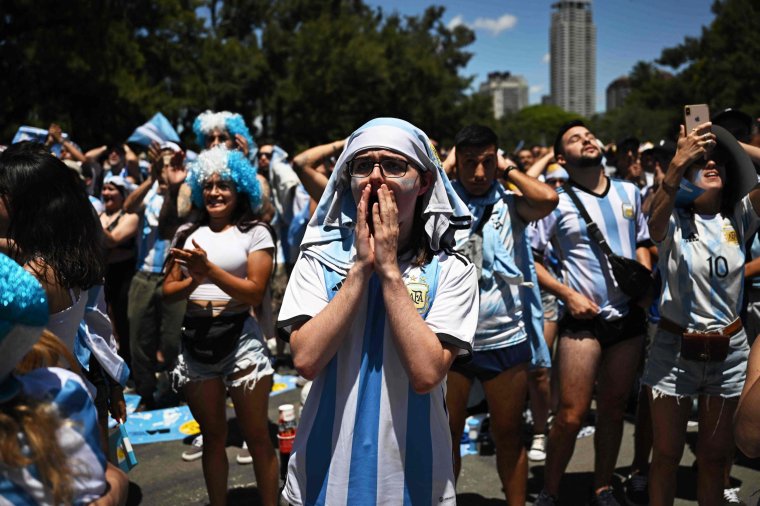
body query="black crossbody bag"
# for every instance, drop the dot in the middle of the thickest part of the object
(634, 279)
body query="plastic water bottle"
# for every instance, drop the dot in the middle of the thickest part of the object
(286, 433)
(472, 428)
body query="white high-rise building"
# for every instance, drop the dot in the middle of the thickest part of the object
(509, 93)
(573, 56)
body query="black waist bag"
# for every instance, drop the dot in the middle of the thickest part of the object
(210, 339)
(634, 279)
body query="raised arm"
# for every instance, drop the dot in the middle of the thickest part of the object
(698, 143)
(540, 165)
(125, 229)
(305, 164)
(537, 199)
(135, 201)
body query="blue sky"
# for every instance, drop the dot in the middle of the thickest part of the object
(514, 35)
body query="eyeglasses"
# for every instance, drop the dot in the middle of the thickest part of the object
(267, 154)
(390, 167)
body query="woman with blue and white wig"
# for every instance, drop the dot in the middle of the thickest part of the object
(378, 307)
(224, 127)
(221, 263)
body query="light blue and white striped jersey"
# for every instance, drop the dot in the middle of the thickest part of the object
(755, 253)
(78, 437)
(702, 263)
(500, 319)
(585, 269)
(365, 437)
(151, 251)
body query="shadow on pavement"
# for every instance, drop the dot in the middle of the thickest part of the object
(471, 499)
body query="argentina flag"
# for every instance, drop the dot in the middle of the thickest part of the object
(156, 129)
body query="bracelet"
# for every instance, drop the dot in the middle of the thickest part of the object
(670, 190)
(509, 169)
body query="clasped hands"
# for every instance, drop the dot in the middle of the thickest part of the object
(195, 261)
(377, 240)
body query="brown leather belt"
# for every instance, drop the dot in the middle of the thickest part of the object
(674, 328)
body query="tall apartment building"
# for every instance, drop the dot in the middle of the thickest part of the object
(509, 93)
(617, 91)
(573, 56)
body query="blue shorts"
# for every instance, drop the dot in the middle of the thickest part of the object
(487, 364)
(669, 374)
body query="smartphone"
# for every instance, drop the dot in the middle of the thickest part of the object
(695, 115)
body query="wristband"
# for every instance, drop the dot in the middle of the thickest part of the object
(509, 169)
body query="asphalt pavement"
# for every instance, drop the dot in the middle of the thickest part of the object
(163, 478)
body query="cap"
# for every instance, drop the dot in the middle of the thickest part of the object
(738, 123)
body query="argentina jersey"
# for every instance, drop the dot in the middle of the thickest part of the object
(702, 262)
(365, 436)
(585, 269)
(151, 251)
(78, 438)
(500, 319)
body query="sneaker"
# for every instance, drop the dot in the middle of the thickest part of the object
(731, 496)
(244, 457)
(544, 499)
(196, 450)
(637, 489)
(537, 452)
(604, 498)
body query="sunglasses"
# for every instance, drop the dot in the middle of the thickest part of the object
(267, 154)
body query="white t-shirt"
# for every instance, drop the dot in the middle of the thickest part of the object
(702, 263)
(365, 437)
(617, 213)
(229, 250)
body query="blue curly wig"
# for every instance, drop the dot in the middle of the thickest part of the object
(231, 165)
(207, 121)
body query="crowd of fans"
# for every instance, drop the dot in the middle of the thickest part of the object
(396, 275)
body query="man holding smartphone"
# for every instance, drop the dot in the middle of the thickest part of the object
(602, 332)
(496, 244)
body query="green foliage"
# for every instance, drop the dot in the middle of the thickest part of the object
(536, 124)
(310, 70)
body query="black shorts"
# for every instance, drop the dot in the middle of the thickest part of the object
(608, 333)
(487, 364)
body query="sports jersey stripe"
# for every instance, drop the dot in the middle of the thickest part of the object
(418, 462)
(625, 200)
(611, 228)
(319, 447)
(362, 479)
(718, 294)
(74, 402)
(685, 286)
(418, 465)
(12, 493)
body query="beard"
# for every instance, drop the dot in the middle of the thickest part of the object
(585, 162)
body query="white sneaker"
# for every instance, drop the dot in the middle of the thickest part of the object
(196, 450)
(244, 457)
(537, 452)
(731, 496)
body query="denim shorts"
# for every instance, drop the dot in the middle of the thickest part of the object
(669, 374)
(551, 306)
(250, 352)
(487, 364)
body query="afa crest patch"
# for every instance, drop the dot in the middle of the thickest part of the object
(730, 236)
(627, 211)
(419, 292)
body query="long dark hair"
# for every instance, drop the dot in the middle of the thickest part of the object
(242, 217)
(51, 217)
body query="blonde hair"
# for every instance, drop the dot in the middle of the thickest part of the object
(37, 420)
(48, 352)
